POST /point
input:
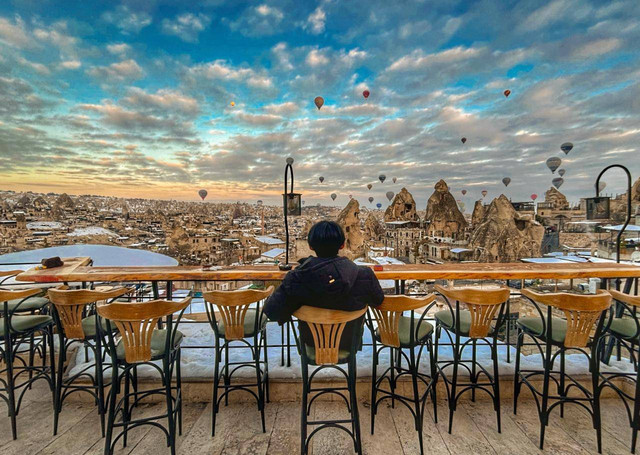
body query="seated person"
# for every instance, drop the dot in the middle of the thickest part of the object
(326, 281)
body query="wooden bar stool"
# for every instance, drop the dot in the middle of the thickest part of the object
(16, 329)
(240, 323)
(581, 330)
(626, 330)
(475, 324)
(400, 333)
(76, 322)
(329, 350)
(140, 342)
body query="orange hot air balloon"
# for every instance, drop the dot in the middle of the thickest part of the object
(507, 93)
(232, 103)
(464, 139)
(319, 102)
(365, 94)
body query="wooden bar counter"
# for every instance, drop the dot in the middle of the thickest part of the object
(76, 270)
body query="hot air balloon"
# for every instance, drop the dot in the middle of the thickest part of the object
(232, 103)
(566, 147)
(484, 193)
(561, 172)
(506, 181)
(319, 101)
(334, 196)
(202, 194)
(534, 197)
(350, 196)
(321, 179)
(289, 160)
(365, 94)
(390, 195)
(370, 199)
(464, 139)
(304, 202)
(557, 182)
(602, 186)
(464, 192)
(382, 178)
(378, 205)
(369, 186)
(554, 163)
(395, 179)
(507, 93)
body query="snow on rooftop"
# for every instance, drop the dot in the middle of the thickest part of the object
(273, 253)
(268, 240)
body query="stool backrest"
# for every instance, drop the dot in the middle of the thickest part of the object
(481, 303)
(326, 327)
(388, 314)
(581, 310)
(70, 305)
(633, 300)
(233, 306)
(136, 322)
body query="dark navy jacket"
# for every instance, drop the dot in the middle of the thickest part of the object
(334, 283)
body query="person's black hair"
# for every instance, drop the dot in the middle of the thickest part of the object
(326, 238)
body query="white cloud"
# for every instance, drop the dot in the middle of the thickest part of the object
(286, 108)
(262, 20)
(118, 48)
(261, 82)
(186, 26)
(418, 60)
(596, 48)
(224, 71)
(14, 34)
(126, 20)
(37, 67)
(126, 70)
(163, 100)
(316, 21)
(316, 58)
(70, 64)
(257, 119)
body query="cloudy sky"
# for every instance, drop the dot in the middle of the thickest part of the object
(134, 98)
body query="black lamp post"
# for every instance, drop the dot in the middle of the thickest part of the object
(292, 206)
(598, 207)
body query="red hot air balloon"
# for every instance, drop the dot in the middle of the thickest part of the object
(534, 197)
(365, 94)
(464, 192)
(507, 93)
(464, 139)
(319, 101)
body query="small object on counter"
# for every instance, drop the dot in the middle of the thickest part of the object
(50, 263)
(594, 284)
(378, 268)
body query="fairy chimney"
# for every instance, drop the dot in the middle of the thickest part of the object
(443, 215)
(402, 208)
(349, 219)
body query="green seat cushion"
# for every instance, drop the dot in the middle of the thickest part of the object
(249, 323)
(446, 319)
(158, 343)
(343, 355)
(533, 324)
(26, 323)
(624, 327)
(404, 330)
(89, 325)
(31, 304)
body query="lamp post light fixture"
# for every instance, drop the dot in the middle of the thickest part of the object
(292, 205)
(598, 207)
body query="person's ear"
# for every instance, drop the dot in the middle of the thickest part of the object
(341, 247)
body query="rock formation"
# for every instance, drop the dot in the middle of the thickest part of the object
(478, 213)
(65, 201)
(635, 191)
(373, 230)
(349, 219)
(24, 201)
(443, 215)
(402, 208)
(556, 198)
(505, 236)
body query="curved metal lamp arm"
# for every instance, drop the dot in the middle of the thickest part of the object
(287, 170)
(628, 220)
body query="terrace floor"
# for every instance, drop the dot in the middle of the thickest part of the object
(238, 430)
